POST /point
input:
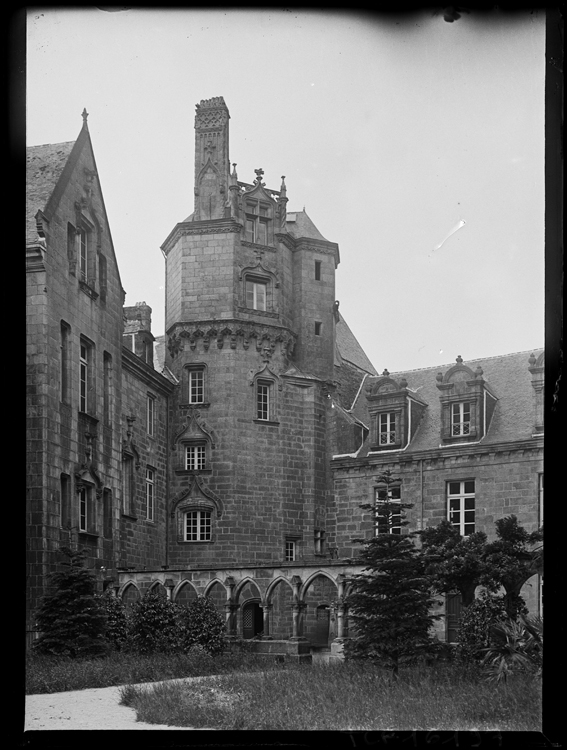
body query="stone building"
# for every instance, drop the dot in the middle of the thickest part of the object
(230, 456)
(464, 442)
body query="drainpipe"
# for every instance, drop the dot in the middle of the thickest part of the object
(421, 477)
(167, 463)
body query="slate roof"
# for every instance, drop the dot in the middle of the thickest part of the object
(349, 349)
(506, 376)
(300, 225)
(44, 165)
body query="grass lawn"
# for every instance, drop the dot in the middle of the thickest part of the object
(55, 674)
(343, 697)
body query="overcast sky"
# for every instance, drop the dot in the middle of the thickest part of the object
(391, 132)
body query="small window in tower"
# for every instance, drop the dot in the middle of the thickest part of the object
(196, 385)
(197, 526)
(290, 550)
(256, 294)
(317, 328)
(317, 270)
(195, 457)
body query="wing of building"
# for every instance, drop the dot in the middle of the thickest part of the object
(230, 456)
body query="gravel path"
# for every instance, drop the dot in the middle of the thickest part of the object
(96, 708)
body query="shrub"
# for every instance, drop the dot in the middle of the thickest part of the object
(153, 625)
(70, 618)
(514, 647)
(202, 627)
(390, 604)
(475, 625)
(117, 621)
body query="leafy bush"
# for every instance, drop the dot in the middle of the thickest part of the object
(153, 625)
(514, 647)
(117, 621)
(70, 618)
(202, 627)
(475, 625)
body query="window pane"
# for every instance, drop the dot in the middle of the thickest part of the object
(454, 488)
(260, 296)
(469, 487)
(262, 233)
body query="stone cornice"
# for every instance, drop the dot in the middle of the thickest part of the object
(35, 257)
(215, 226)
(231, 333)
(142, 370)
(462, 451)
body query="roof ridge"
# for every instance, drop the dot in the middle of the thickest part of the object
(465, 361)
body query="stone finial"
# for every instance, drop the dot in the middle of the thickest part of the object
(532, 360)
(283, 188)
(478, 373)
(403, 383)
(84, 115)
(439, 377)
(259, 175)
(386, 373)
(459, 360)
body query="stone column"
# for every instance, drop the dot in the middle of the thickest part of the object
(266, 609)
(230, 607)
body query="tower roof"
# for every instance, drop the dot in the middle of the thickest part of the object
(300, 225)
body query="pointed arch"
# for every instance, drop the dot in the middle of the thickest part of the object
(241, 587)
(307, 583)
(184, 592)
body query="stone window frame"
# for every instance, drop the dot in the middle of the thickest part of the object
(130, 462)
(199, 460)
(200, 506)
(64, 363)
(86, 497)
(204, 532)
(86, 236)
(464, 425)
(254, 220)
(87, 395)
(258, 274)
(188, 370)
(150, 493)
(107, 513)
(398, 415)
(151, 413)
(291, 548)
(319, 539)
(462, 496)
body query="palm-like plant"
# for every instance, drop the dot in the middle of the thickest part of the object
(516, 646)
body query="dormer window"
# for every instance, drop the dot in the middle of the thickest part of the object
(257, 222)
(395, 412)
(467, 404)
(387, 428)
(461, 418)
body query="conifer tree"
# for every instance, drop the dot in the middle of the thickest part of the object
(390, 603)
(70, 618)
